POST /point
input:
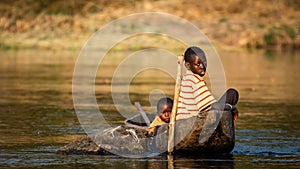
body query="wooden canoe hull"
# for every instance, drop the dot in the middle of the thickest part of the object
(211, 133)
(208, 133)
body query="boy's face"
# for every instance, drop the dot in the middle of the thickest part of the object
(166, 113)
(196, 66)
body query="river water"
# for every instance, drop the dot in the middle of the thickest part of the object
(37, 115)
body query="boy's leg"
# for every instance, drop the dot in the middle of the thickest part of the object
(231, 96)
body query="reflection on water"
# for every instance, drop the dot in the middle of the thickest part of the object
(264, 77)
(37, 116)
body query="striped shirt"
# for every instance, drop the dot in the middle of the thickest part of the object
(194, 96)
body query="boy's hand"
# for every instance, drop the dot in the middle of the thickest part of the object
(150, 134)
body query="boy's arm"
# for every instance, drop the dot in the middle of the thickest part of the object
(150, 131)
(222, 106)
(203, 96)
(227, 107)
(155, 122)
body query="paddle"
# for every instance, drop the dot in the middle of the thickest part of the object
(143, 113)
(171, 140)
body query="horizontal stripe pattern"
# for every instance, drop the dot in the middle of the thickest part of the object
(194, 96)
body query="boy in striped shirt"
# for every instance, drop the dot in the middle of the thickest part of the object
(194, 95)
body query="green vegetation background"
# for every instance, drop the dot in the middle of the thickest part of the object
(58, 24)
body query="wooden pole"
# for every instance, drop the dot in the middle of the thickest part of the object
(171, 140)
(143, 113)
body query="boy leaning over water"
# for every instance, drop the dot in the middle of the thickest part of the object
(164, 109)
(194, 95)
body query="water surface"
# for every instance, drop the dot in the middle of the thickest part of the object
(37, 115)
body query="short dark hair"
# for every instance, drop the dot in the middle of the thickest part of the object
(164, 101)
(194, 51)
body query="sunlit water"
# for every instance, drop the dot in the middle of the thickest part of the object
(37, 115)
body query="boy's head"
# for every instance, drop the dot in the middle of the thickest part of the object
(195, 60)
(164, 109)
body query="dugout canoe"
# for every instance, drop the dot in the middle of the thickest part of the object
(208, 133)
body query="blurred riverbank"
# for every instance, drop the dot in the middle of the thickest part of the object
(230, 24)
